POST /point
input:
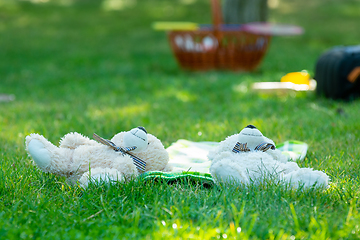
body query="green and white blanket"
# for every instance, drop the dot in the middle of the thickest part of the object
(190, 161)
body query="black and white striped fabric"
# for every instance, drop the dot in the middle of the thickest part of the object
(264, 146)
(105, 142)
(242, 147)
(140, 164)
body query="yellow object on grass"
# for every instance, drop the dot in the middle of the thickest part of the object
(302, 77)
(165, 26)
(298, 81)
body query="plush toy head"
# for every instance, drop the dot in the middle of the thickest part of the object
(252, 139)
(136, 137)
(148, 148)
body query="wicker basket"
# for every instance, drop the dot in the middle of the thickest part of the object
(218, 47)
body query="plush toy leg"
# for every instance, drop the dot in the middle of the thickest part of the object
(228, 172)
(47, 156)
(306, 177)
(39, 153)
(73, 140)
(101, 175)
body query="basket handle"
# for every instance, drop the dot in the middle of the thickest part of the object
(216, 13)
(216, 17)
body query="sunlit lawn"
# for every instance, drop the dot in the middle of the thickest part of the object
(92, 66)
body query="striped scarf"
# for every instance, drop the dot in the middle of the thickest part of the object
(242, 147)
(140, 164)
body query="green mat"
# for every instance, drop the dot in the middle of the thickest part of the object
(295, 150)
(191, 164)
(204, 179)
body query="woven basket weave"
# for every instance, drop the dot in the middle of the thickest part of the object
(218, 47)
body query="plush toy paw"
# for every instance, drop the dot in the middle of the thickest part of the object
(39, 153)
(228, 172)
(306, 177)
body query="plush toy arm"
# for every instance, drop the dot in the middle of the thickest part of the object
(101, 175)
(168, 168)
(73, 140)
(306, 177)
(225, 146)
(277, 155)
(212, 154)
(227, 171)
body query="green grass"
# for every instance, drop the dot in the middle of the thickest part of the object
(74, 66)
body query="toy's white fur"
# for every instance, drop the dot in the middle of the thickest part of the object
(79, 158)
(257, 166)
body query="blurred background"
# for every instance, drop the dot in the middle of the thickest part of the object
(86, 65)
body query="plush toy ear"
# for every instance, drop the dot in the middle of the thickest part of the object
(142, 128)
(136, 137)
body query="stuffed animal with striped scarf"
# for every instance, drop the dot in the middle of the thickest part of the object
(82, 160)
(249, 157)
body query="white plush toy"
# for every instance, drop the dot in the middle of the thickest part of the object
(80, 159)
(251, 157)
